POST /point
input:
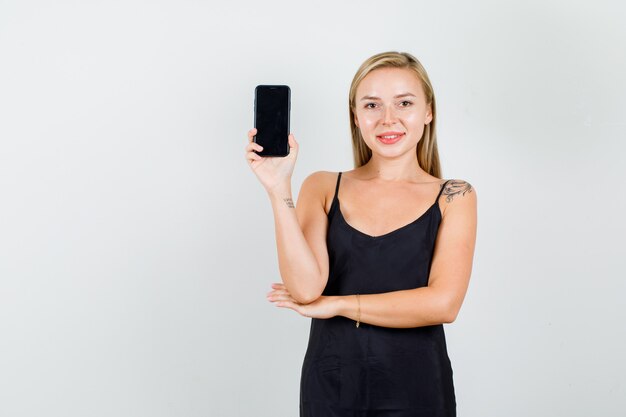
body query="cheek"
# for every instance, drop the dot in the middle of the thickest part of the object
(367, 120)
(414, 118)
(368, 123)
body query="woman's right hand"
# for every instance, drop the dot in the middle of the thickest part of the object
(274, 172)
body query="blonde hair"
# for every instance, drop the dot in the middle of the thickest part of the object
(427, 154)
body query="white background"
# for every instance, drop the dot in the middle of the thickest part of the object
(136, 245)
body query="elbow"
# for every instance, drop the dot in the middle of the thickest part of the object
(305, 298)
(308, 295)
(450, 312)
(449, 318)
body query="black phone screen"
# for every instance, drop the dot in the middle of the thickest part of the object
(271, 119)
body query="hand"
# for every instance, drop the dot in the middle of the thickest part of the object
(324, 307)
(272, 171)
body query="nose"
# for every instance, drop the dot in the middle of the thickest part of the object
(389, 116)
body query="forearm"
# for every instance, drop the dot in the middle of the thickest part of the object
(417, 307)
(296, 262)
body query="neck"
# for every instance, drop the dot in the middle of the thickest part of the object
(395, 170)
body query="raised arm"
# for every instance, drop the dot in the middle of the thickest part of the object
(301, 236)
(301, 231)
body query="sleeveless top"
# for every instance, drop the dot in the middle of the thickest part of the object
(400, 371)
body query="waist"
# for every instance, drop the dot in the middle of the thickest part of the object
(338, 336)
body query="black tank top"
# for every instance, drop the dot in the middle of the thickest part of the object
(401, 371)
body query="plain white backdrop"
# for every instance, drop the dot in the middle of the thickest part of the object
(137, 246)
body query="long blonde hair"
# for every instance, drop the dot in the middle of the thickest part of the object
(427, 154)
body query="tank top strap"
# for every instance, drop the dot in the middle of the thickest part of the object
(337, 187)
(333, 205)
(440, 191)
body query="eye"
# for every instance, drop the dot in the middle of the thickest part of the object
(370, 105)
(405, 103)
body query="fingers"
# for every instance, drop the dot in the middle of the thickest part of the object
(295, 307)
(278, 291)
(281, 297)
(252, 146)
(251, 157)
(278, 288)
(251, 134)
(278, 295)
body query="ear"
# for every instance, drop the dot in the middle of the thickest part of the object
(356, 121)
(429, 115)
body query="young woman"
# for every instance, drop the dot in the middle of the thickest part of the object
(378, 257)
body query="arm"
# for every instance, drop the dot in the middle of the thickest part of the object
(451, 267)
(301, 237)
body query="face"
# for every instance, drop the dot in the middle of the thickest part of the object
(391, 110)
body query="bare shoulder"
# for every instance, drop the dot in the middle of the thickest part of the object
(460, 195)
(318, 177)
(456, 189)
(319, 186)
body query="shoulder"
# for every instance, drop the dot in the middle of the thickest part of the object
(322, 176)
(458, 195)
(456, 188)
(320, 180)
(319, 186)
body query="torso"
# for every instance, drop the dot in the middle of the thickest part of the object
(400, 370)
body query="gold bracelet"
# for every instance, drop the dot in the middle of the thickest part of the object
(358, 314)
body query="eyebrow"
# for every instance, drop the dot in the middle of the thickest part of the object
(398, 96)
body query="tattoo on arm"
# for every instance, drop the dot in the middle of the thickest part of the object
(456, 187)
(289, 202)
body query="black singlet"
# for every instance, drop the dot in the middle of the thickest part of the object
(373, 370)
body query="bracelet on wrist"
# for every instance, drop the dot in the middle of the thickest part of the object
(358, 314)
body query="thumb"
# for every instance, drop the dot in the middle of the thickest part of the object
(292, 142)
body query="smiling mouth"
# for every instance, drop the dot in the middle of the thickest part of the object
(389, 138)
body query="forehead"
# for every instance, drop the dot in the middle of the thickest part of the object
(388, 82)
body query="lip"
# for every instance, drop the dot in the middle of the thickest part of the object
(392, 137)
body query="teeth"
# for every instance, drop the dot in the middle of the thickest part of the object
(390, 137)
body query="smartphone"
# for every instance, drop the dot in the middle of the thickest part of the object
(272, 104)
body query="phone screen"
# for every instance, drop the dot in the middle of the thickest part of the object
(271, 119)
